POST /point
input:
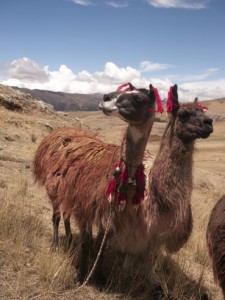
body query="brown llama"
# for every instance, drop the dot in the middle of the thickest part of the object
(75, 167)
(215, 235)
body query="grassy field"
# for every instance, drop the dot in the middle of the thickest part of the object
(28, 270)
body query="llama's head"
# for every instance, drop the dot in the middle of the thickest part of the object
(190, 121)
(135, 106)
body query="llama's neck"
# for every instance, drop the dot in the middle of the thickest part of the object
(171, 174)
(174, 149)
(135, 144)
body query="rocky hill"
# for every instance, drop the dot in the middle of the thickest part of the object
(16, 100)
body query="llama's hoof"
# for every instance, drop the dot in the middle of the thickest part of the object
(157, 292)
(54, 246)
(81, 278)
(67, 243)
(205, 296)
(99, 279)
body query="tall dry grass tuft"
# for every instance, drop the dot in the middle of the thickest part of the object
(16, 224)
(167, 278)
(128, 276)
(55, 270)
(27, 267)
(177, 281)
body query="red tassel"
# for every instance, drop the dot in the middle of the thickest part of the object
(140, 176)
(111, 189)
(169, 104)
(137, 198)
(124, 87)
(122, 194)
(158, 101)
(202, 107)
(124, 176)
(121, 191)
(122, 197)
(140, 188)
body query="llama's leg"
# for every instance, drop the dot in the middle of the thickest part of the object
(86, 249)
(218, 261)
(68, 231)
(99, 249)
(55, 221)
(178, 239)
(224, 291)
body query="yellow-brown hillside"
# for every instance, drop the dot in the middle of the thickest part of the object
(28, 270)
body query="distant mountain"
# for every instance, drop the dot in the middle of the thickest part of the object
(89, 102)
(66, 101)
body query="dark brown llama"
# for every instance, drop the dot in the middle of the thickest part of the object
(168, 206)
(216, 242)
(75, 166)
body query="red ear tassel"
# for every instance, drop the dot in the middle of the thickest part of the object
(169, 104)
(124, 87)
(158, 101)
(202, 107)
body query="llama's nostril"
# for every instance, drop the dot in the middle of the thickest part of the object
(208, 121)
(106, 98)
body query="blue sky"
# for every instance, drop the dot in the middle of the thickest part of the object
(90, 46)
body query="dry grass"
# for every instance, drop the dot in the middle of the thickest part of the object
(28, 270)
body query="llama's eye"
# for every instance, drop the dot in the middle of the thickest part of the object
(138, 99)
(183, 114)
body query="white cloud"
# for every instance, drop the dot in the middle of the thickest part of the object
(116, 75)
(186, 4)
(24, 72)
(25, 69)
(81, 2)
(149, 66)
(198, 77)
(117, 4)
(205, 90)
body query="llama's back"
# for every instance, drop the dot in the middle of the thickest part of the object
(75, 168)
(216, 241)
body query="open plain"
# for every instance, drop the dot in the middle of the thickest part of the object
(28, 270)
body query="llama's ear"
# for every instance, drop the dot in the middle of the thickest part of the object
(175, 94)
(176, 104)
(126, 87)
(131, 86)
(172, 100)
(154, 95)
(151, 91)
(151, 88)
